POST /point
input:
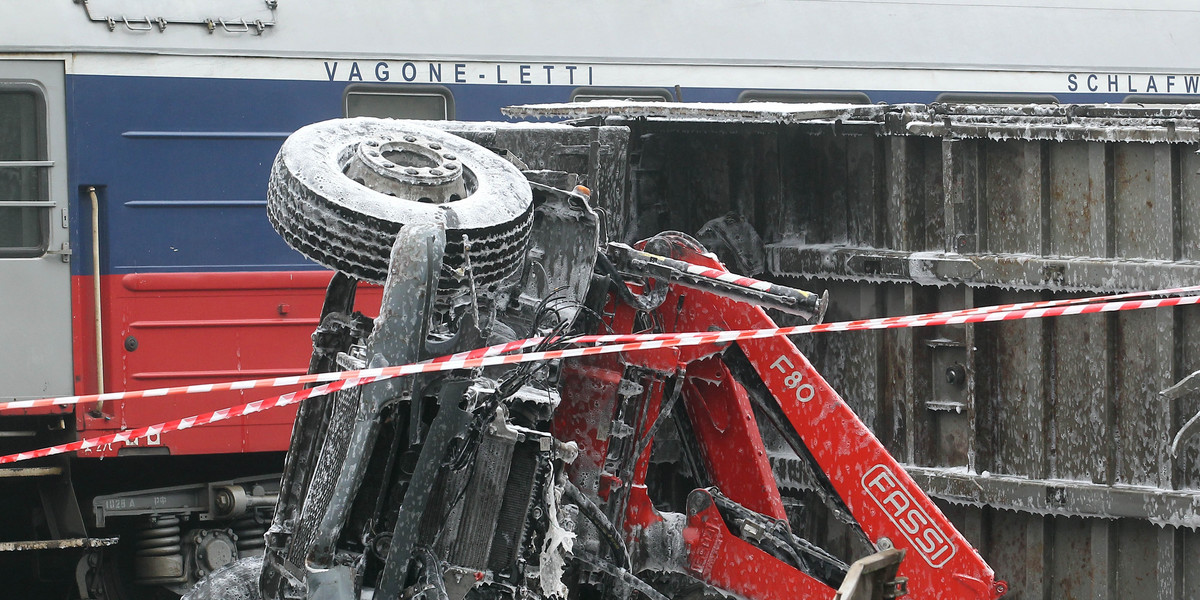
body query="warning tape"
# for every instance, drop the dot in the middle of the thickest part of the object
(878, 323)
(613, 344)
(1024, 310)
(189, 422)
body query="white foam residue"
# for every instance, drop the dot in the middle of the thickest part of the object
(557, 547)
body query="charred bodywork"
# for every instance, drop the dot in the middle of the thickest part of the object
(640, 473)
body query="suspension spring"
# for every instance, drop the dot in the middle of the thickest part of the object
(158, 536)
(250, 531)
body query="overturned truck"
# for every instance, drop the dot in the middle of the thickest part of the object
(725, 468)
(645, 472)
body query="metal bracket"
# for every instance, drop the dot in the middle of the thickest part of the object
(1188, 385)
(147, 23)
(873, 577)
(65, 252)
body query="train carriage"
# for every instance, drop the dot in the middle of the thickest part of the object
(136, 140)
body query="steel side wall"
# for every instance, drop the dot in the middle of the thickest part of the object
(1052, 454)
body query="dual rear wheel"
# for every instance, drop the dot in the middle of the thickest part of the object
(340, 190)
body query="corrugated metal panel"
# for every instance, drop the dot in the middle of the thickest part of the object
(1052, 452)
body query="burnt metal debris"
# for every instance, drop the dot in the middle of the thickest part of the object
(1056, 453)
(1052, 122)
(569, 478)
(1048, 445)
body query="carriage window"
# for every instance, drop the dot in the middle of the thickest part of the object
(797, 96)
(24, 200)
(587, 94)
(433, 103)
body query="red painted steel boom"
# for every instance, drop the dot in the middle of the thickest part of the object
(874, 488)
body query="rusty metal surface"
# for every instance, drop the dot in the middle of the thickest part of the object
(31, 472)
(1052, 450)
(1058, 123)
(1062, 497)
(57, 544)
(747, 112)
(1017, 271)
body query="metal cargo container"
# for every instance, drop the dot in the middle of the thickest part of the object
(1049, 441)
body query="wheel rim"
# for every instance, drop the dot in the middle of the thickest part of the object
(340, 190)
(409, 168)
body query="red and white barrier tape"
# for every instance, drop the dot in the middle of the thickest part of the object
(189, 422)
(1024, 310)
(879, 323)
(494, 356)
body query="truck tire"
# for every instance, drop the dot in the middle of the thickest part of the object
(340, 190)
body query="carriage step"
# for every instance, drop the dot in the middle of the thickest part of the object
(31, 472)
(63, 544)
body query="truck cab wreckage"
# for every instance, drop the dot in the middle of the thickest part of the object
(650, 473)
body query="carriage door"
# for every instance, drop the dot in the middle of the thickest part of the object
(35, 272)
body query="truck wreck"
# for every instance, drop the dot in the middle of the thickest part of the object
(646, 473)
